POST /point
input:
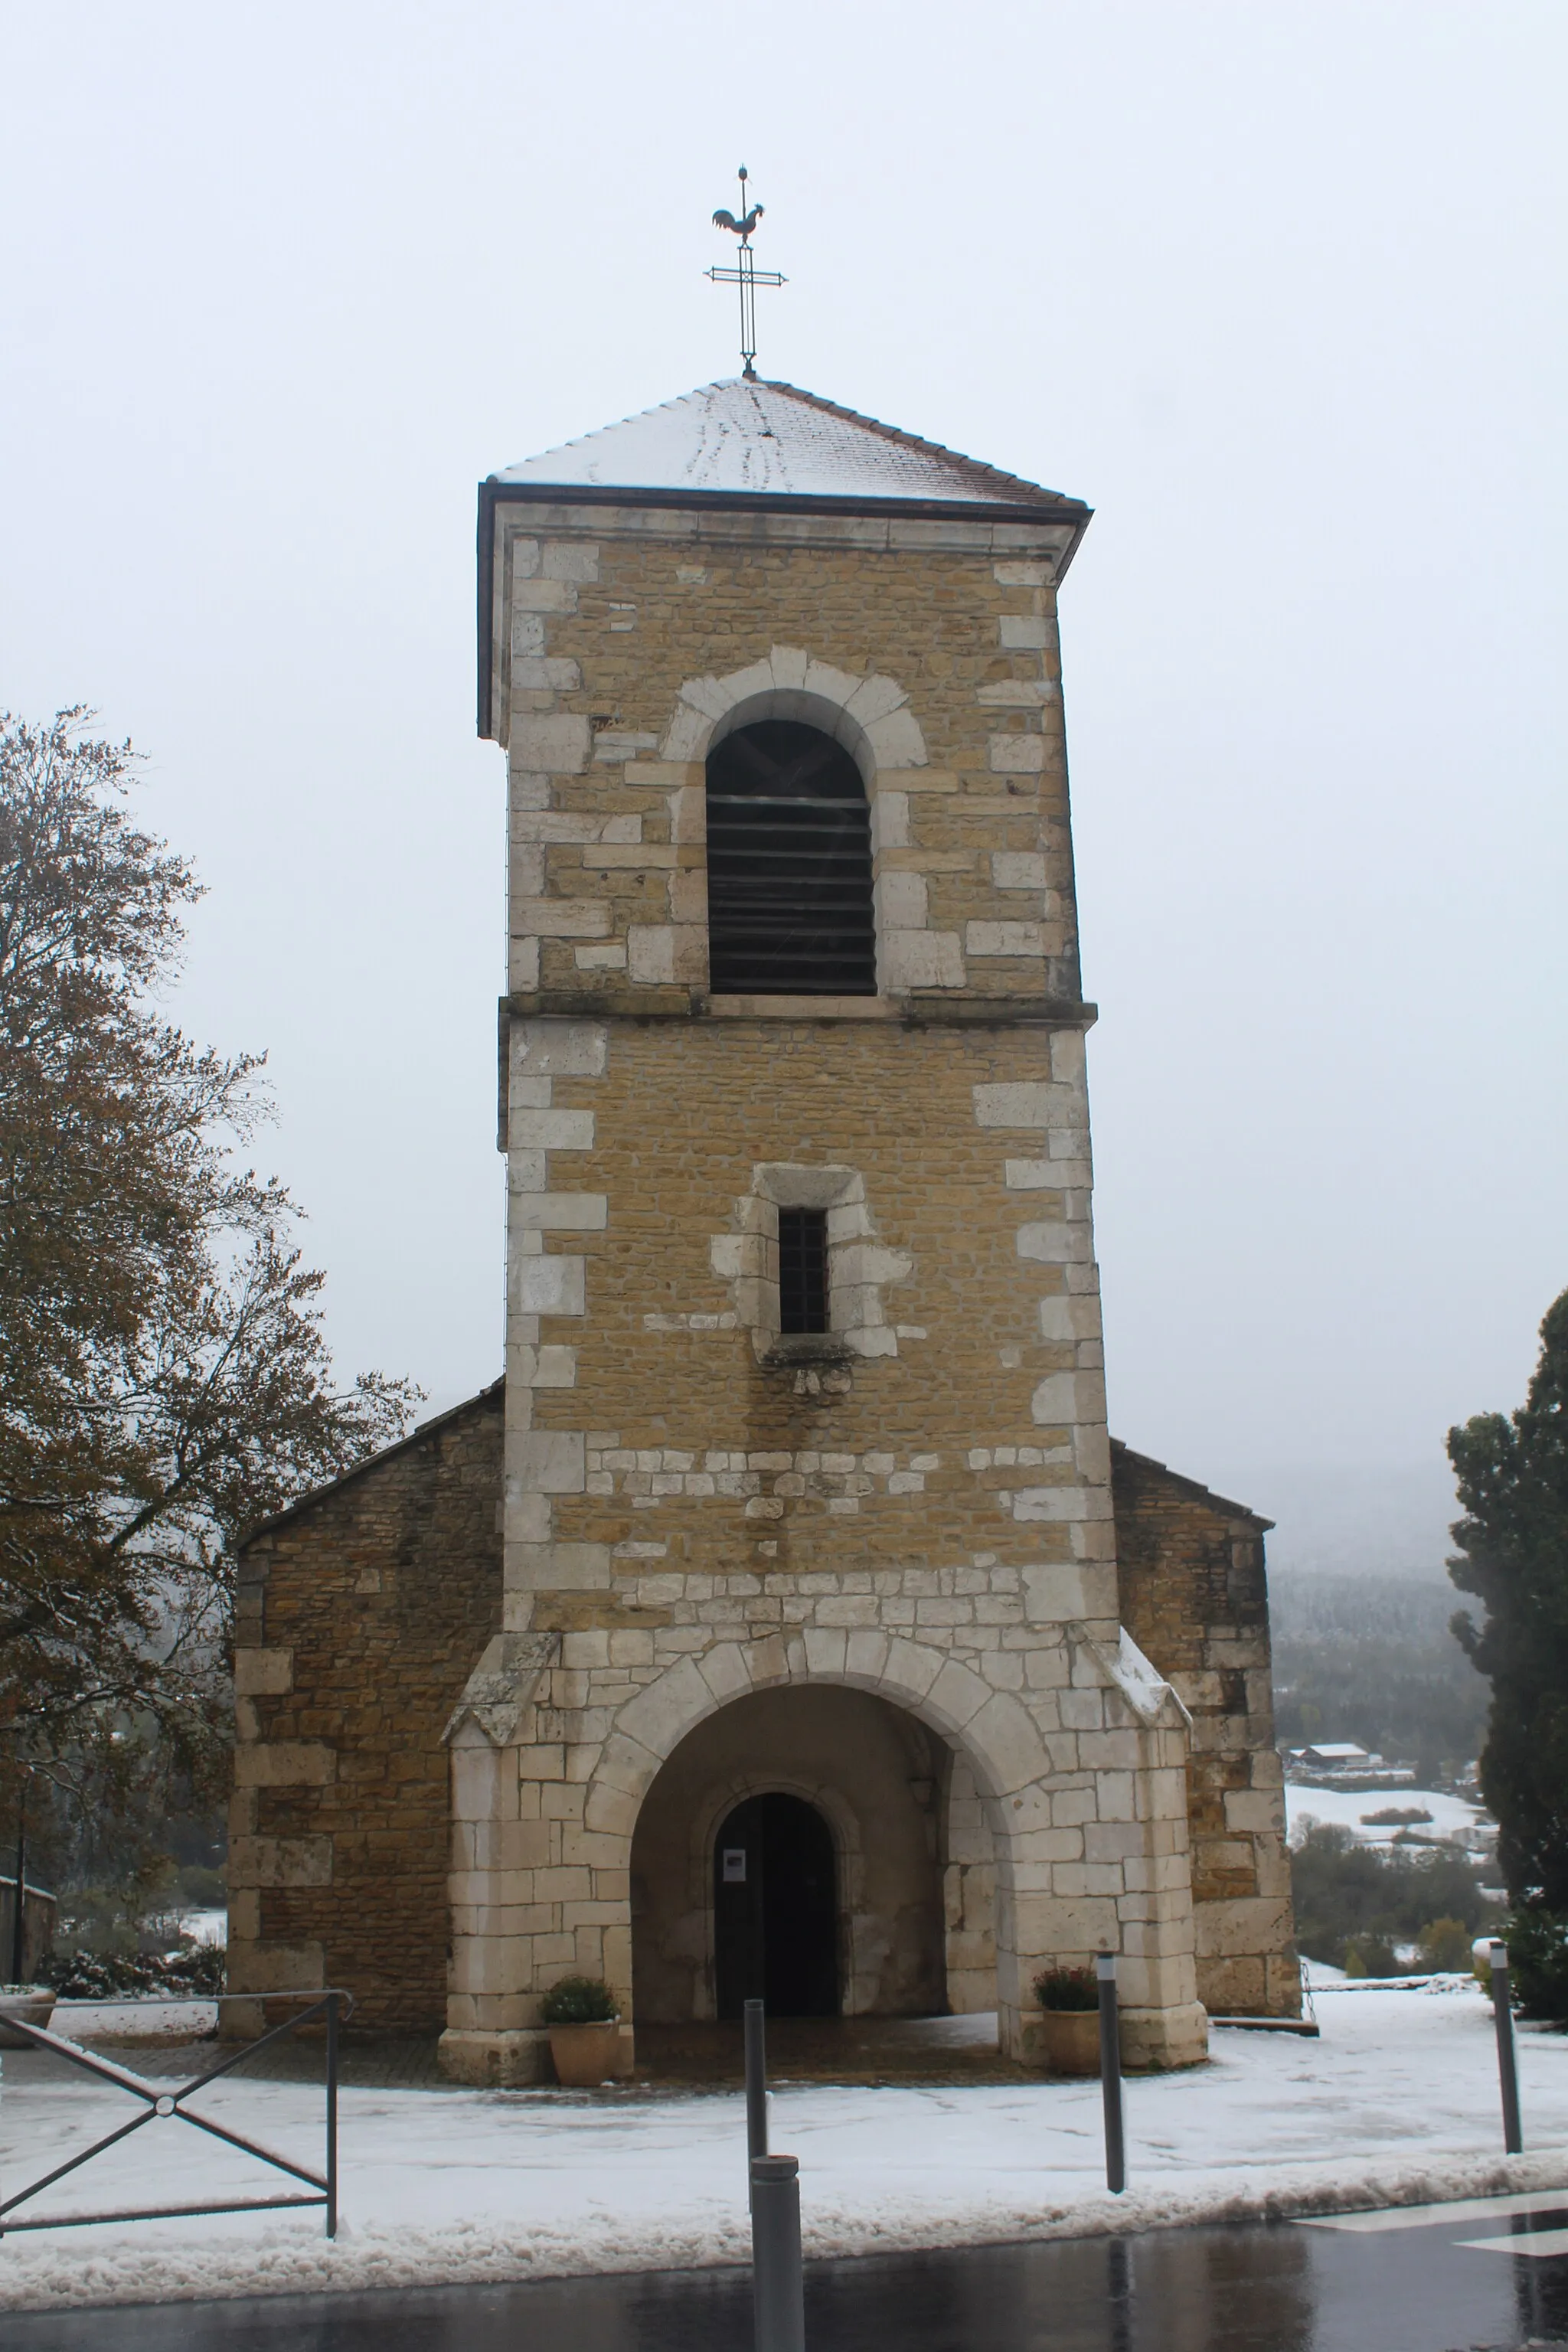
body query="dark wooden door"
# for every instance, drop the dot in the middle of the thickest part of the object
(776, 1910)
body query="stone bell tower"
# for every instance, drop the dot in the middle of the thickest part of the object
(810, 1581)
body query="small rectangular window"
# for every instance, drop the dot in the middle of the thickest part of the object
(803, 1269)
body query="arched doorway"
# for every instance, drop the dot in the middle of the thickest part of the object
(775, 1909)
(870, 1781)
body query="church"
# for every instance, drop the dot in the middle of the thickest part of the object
(785, 1622)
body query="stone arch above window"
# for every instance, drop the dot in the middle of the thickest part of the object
(871, 715)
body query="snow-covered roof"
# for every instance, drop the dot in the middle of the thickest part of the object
(776, 439)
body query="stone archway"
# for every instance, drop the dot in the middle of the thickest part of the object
(995, 1735)
(875, 1777)
(1111, 1782)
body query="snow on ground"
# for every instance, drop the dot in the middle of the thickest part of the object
(1350, 1806)
(1397, 2103)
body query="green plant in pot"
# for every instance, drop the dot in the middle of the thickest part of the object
(1070, 2018)
(584, 2030)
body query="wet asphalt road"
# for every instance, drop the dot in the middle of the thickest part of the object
(1399, 2282)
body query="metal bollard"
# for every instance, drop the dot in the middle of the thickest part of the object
(1111, 2073)
(756, 2083)
(778, 2283)
(1507, 2062)
(331, 2115)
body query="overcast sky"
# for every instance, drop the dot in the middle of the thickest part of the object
(1277, 286)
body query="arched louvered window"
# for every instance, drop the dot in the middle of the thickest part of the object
(789, 865)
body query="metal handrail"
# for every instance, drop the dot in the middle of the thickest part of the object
(166, 2105)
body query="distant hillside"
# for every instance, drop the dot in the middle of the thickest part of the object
(1369, 1657)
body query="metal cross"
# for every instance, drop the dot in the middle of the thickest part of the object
(747, 276)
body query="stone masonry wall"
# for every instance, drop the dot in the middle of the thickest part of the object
(697, 1506)
(1195, 1596)
(917, 1503)
(932, 649)
(361, 1613)
(367, 1908)
(674, 1435)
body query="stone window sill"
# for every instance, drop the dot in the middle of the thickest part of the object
(787, 1349)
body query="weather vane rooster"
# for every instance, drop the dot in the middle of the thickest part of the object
(724, 218)
(747, 276)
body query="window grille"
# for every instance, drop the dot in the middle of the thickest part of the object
(803, 1269)
(789, 865)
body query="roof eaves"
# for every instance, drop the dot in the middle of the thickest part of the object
(1038, 505)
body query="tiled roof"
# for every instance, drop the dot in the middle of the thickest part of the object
(776, 440)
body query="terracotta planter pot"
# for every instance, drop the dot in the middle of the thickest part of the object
(1072, 2040)
(585, 2056)
(36, 2006)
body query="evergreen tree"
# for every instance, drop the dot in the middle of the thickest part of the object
(1513, 1476)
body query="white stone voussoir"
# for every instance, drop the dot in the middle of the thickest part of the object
(868, 715)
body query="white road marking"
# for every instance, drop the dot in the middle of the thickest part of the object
(1536, 2243)
(1435, 2217)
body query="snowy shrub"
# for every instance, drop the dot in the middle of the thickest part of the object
(197, 1970)
(579, 2000)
